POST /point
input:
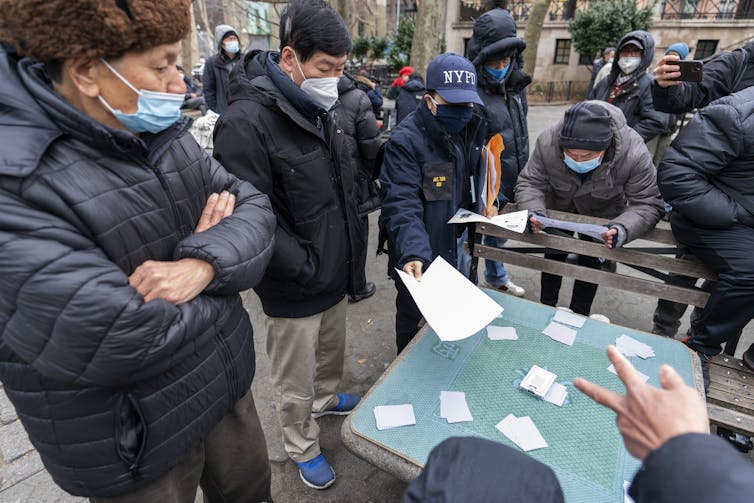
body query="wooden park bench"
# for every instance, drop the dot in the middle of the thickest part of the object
(730, 399)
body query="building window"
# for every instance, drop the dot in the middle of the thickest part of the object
(562, 51)
(705, 48)
(586, 59)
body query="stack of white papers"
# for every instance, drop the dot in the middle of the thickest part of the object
(495, 333)
(560, 333)
(522, 432)
(453, 306)
(453, 407)
(631, 347)
(392, 416)
(556, 395)
(644, 377)
(575, 320)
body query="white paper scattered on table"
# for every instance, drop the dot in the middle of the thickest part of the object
(567, 318)
(515, 221)
(560, 333)
(495, 333)
(453, 306)
(521, 431)
(453, 407)
(557, 394)
(631, 347)
(644, 377)
(591, 230)
(393, 416)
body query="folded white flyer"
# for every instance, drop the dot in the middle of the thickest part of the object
(515, 221)
(453, 306)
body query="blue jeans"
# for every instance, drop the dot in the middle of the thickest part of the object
(494, 272)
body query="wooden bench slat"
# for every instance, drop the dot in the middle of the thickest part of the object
(728, 400)
(624, 255)
(733, 420)
(730, 362)
(734, 379)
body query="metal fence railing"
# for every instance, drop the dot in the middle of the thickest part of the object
(556, 91)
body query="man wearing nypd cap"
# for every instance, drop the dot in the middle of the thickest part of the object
(430, 166)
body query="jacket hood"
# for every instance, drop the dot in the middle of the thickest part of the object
(346, 83)
(494, 36)
(221, 30)
(647, 43)
(34, 115)
(414, 85)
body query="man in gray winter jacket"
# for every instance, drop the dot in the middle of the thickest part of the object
(590, 163)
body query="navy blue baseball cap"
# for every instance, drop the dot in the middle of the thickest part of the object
(454, 79)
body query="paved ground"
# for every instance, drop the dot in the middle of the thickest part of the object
(370, 349)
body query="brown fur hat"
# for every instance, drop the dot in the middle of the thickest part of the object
(56, 30)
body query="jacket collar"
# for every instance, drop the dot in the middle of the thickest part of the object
(295, 96)
(436, 135)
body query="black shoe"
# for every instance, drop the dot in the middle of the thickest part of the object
(367, 292)
(704, 359)
(748, 358)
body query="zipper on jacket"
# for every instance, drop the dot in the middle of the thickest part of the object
(171, 198)
(230, 370)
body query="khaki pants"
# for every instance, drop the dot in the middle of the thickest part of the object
(306, 364)
(231, 466)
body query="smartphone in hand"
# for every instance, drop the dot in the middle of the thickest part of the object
(691, 71)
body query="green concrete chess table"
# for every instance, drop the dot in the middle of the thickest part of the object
(585, 449)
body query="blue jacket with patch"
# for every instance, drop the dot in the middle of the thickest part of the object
(426, 176)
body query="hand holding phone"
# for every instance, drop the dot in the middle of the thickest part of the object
(691, 71)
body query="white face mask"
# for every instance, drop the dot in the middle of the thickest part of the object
(629, 64)
(323, 91)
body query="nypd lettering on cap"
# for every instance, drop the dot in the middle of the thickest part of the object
(453, 77)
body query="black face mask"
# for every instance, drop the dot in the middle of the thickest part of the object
(453, 117)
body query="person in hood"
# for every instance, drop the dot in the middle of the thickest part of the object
(278, 133)
(410, 95)
(217, 68)
(497, 54)
(606, 59)
(355, 117)
(628, 86)
(124, 343)
(426, 177)
(590, 163)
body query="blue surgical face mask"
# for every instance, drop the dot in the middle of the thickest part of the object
(155, 112)
(583, 166)
(453, 117)
(497, 75)
(232, 46)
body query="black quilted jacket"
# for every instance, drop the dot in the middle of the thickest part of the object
(114, 391)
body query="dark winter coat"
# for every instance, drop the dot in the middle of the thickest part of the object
(724, 74)
(505, 106)
(595, 70)
(635, 97)
(681, 470)
(217, 70)
(623, 188)
(707, 174)
(355, 117)
(425, 180)
(115, 391)
(410, 95)
(274, 136)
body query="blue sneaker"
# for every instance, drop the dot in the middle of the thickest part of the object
(317, 473)
(346, 403)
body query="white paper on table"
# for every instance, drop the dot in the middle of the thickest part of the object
(557, 394)
(393, 416)
(453, 407)
(453, 306)
(567, 318)
(515, 221)
(495, 333)
(644, 377)
(508, 427)
(631, 347)
(560, 333)
(626, 497)
(529, 437)
(591, 230)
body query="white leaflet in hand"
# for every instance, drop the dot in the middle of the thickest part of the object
(591, 230)
(495, 333)
(453, 306)
(644, 377)
(567, 318)
(515, 221)
(393, 416)
(560, 333)
(465, 216)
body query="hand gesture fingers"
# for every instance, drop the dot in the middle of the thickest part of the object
(206, 217)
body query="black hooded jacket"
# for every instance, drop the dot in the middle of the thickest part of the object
(115, 391)
(635, 96)
(274, 136)
(409, 97)
(505, 106)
